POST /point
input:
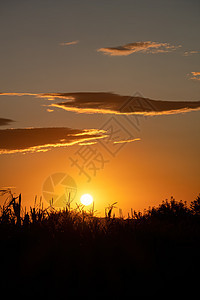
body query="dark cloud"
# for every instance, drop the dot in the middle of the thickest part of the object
(103, 102)
(44, 139)
(118, 104)
(86, 102)
(4, 121)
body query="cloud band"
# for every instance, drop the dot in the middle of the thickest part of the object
(43, 139)
(143, 47)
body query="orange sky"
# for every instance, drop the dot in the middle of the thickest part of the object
(164, 163)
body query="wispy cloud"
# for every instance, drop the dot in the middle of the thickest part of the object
(126, 141)
(18, 94)
(50, 110)
(194, 76)
(43, 139)
(87, 143)
(189, 53)
(47, 96)
(196, 73)
(142, 47)
(4, 121)
(69, 43)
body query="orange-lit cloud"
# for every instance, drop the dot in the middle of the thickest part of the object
(43, 139)
(87, 143)
(69, 43)
(47, 96)
(196, 73)
(195, 76)
(4, 121)
(126, 141)
(18, 94)
(50, 110)
(110, 103)
(188, 53)
(143, 47)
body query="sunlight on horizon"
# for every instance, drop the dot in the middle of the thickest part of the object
(86, 199)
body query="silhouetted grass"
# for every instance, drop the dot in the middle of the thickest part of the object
(72, 251)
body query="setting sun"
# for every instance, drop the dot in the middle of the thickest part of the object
(86, 199)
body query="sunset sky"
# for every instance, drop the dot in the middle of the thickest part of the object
(103, 97)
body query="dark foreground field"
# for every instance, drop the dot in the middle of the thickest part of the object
(74, 253)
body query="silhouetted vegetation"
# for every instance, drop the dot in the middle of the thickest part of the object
(73, 251)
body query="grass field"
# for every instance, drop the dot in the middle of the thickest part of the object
(49, 252)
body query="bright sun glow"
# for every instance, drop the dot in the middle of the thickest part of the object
(86, 199)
